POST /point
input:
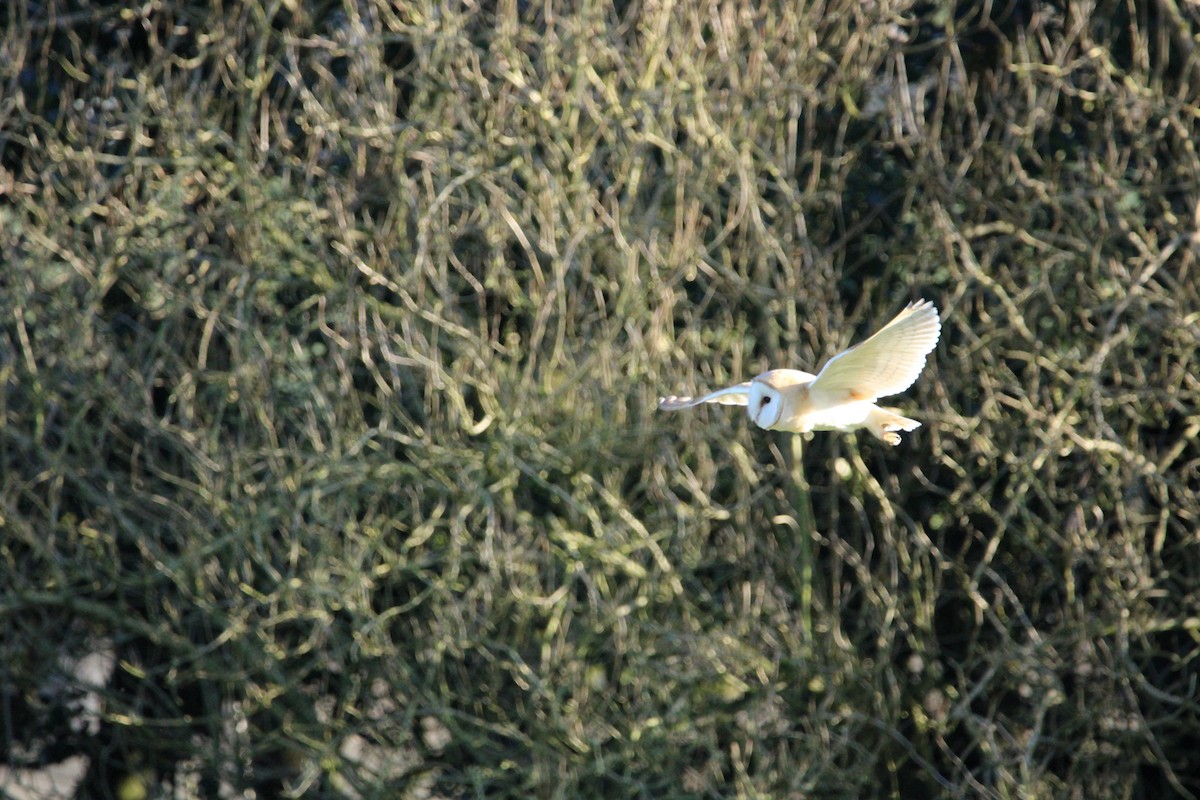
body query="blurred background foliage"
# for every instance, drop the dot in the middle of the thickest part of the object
(330, 339)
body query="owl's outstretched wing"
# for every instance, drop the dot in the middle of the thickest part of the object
(733, 396)
(885, 364)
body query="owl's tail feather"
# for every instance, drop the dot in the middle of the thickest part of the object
(884, 425)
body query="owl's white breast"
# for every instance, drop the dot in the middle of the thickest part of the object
(844, 416)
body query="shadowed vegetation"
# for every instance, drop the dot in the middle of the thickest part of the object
(330, 339)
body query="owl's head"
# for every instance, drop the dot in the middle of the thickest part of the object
(765, 404)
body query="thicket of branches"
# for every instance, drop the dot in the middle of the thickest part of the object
(330, 339)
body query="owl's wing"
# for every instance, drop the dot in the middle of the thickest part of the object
(733, 396)
(885, 364)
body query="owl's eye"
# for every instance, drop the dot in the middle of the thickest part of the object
(764, 402)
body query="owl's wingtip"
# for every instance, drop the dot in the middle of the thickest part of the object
(924, 306)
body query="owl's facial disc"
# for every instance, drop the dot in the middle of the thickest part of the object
(765, 406)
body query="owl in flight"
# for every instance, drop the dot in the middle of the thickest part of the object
(841, 397)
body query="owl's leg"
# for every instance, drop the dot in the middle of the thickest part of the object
(884, 424)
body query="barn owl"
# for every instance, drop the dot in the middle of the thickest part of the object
(841, 397)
